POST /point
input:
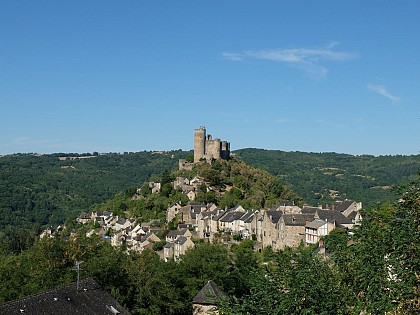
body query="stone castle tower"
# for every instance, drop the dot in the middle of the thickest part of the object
(205, 147)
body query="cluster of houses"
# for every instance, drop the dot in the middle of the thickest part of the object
(285, 225)
(190, 187)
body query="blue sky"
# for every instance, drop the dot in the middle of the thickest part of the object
(115, 76)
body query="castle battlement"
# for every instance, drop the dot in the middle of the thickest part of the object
(205, 147)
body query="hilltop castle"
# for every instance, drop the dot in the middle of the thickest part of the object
(205, 147)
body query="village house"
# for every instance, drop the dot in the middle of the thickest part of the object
(332, 216)
(350, 209)
(181, 245)
(287, 207)
(291, 229)
(84, 297)
(123, 223)
(47, 233)
(173, 235)
(178, 242)
(83, 218)
(172, 211)
(155, 187)
(140, 242)
(188, 213)
(316, 229)
(269, 232)
(180, 181)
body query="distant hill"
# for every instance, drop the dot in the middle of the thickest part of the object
(325, 177)
(37, 190)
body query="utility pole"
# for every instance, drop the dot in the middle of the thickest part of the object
(77, 268)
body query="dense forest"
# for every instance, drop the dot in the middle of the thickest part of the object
(374, 270)
(320, 178)
(46, 190)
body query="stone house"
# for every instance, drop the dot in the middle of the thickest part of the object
(139, 243)
(85, 297)
(230, 222)
(172, 211)
(188, 213)
(291, 230)
(168, 251)
(269, 231)
(180, 182)
(331, 216)
(122, 223)
(175, 234)
(155, 187)
(346, 206)
(287, 207)
(178, 242)
(181, 245)
(350, 209)
(83, 218)
(197, 181)
(204, 224)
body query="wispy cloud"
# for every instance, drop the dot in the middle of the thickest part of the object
(307, 59)
(281, 121)
(381, 90)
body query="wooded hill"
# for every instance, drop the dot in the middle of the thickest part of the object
(45, 190)
(227, 184)
(321, 178)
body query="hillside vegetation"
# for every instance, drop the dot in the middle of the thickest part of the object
(377, 274)
(44, 190)
(228, 183)
(319, 178)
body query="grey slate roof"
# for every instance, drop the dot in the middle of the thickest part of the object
(297, 219)
(66, 300)
(121, 221)
(168, 245)
(232, 216)
(315, 224)
(248, 216)
(181, 240)
(172, 234)
(328, 215)
(217, 217)
(209, 294)
(342, 205)
(274, 216)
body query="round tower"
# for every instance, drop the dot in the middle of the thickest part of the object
(199, 143)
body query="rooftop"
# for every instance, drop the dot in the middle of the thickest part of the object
(90, 299)
(209, 294)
